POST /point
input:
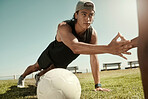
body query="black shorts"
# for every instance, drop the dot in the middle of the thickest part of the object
(44, 60)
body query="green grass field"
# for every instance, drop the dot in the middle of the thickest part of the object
(125, 84)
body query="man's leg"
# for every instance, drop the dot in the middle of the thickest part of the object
(30, 69)
(143, 43)
(37, 76)
(46, 70)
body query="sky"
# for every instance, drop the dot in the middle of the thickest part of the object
(28, 26)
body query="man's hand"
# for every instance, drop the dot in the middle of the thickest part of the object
(119, 47)
(102, 89)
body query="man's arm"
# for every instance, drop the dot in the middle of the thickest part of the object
(134, 42)
(95, 68)
(94, 62)
(66, 36)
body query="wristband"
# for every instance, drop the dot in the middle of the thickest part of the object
(97, 85)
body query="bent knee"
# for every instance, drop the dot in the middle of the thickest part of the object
(36, 66)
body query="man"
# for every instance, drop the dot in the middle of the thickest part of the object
(75, 37)
(143, 42)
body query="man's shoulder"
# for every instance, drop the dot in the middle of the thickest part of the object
(64, 25)
(67, 21)
(93, 30)
(71, 22)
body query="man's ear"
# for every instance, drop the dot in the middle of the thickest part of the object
(76, 15)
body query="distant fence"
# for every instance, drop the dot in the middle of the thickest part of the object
(14, 77)
(73, 68)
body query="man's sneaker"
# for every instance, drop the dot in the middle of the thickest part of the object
(20, 83)
(37, 78)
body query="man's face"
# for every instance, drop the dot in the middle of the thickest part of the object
(85, 18)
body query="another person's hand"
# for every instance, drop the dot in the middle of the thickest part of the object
(133, 43)
(119, 47)
(102, 89)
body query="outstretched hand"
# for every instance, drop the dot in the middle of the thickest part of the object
(120, 47)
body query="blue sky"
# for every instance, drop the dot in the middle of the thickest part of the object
(28, 26)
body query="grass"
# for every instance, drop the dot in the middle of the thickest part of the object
(125, 84)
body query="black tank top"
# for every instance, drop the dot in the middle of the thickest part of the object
(60, 54)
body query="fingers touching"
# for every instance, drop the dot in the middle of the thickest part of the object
(120, 47)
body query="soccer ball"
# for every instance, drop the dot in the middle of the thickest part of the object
(59, 84)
